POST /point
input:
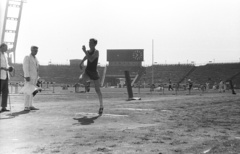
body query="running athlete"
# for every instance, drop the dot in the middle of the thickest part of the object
(91, 72)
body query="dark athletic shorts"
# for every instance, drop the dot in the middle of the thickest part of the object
(92, 75)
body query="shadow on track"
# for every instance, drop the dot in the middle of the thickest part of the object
(19, 113)
(86, 120)
(14, 114)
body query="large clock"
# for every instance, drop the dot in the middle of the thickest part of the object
(137, 55)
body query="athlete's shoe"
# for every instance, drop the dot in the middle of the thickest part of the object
(26, 109)
(100, 111)
(33, 108)
(4, 110)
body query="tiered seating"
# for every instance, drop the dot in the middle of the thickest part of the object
(118, 71)
(199, 75)
(115, 72)
(63, 74)
(215, 72)
(162, 73)
(60, 73)
(54, 73)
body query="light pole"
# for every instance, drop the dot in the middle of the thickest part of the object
(155, 63)
(152, 63)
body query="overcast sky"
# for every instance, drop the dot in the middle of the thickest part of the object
(182, 30)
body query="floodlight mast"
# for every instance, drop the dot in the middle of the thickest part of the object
(16, 5)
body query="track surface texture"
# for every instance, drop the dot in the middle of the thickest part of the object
(68, 123)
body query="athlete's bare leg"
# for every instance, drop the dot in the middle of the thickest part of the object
(99, 93)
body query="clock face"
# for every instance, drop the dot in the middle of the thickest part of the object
(137, 55)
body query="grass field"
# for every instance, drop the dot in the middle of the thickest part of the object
(159, 123)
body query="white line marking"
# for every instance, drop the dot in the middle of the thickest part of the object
(95, 114)
(134, 109)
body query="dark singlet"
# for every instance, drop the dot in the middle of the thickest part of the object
(92, 66)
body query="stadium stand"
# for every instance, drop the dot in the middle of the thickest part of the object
(162, 73)
(115, 72)
(62, 74)
(118, 71)
(211, 73)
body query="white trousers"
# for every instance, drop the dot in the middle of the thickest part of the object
(28, 96)
(28, 100)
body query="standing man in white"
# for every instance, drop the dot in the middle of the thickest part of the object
(4, 77)
(31, 75)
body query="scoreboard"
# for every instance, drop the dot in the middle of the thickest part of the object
(126, 55)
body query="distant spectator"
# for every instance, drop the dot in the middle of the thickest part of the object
(224, 86)
(207, 86)
(190, 85)
(220, 86)
(152, 87)
(170, 85)
(215, 86)
(231, 86)
(159, 88)
(202, 87)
